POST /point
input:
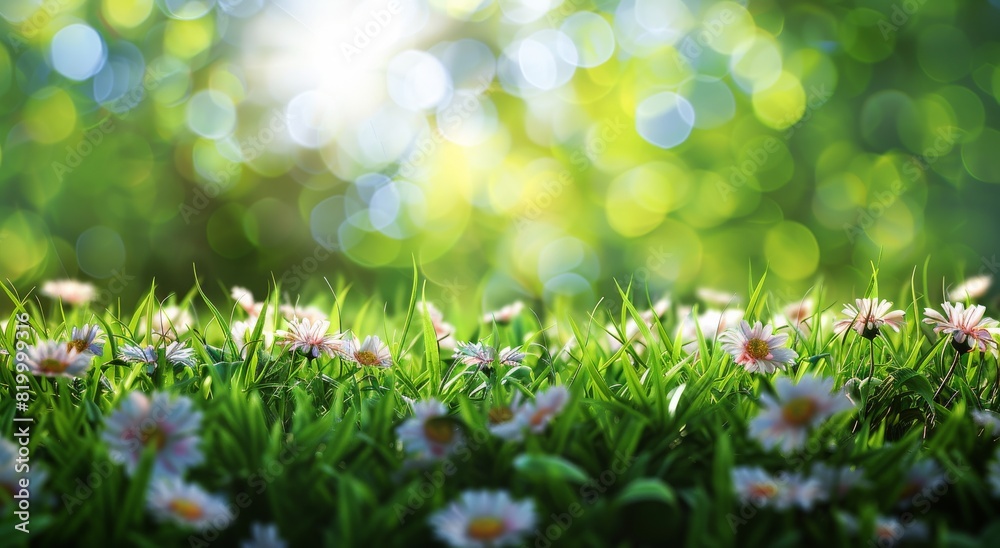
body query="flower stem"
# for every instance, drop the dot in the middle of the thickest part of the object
(947, 377)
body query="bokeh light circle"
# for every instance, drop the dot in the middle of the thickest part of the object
(78, 51)
(665, 119)
(211, 114)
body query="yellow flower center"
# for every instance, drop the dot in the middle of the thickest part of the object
(499, 415)
(439, 430)
(798, 411)
(366, 357)
(186, 509)
(156, 436)
(758, 349)
(79, 345)
(485, 528)
(52, 365)
(762, 490)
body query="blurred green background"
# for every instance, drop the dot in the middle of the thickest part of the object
(533, 148)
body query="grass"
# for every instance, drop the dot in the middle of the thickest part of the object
(642, 455)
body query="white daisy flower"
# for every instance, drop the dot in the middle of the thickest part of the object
(505, 422)
(971, 289)
(837, 482)
(244, 298)
(506, 314)
(867, 316)
(478, 354)
(177, 353)
(511, 356)
(989, 420)
(445, 331)
(187, 505)
(170, 424)
(241, 332)
(264, 536)
(10, 477)
(921, 478)
(797, 316)
(797, 490)
(168, 324)
(85, 339)
(757, 349)
(484, 519)
(549, 403)
(710, 322)
(56, 359)
(786, 420)
(311, 338)
(371, 352)
(72, 292)
(889, 531)
(968, 328)
(753, 485)
(430, 434)
(132, 353)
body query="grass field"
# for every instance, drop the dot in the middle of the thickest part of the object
(641, 422)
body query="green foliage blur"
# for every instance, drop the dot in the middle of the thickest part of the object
(681, 143)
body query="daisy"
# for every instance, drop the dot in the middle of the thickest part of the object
(132, 353)
(430, 433)
(243, 330)
(478, 354)
(967, 327)
(867, 316)
(549, 403)
(187, 505)
(84, 339)
(264, 536)
(506, 314)
(168, 324)
(710, 322)
(171, 424)
(54, 359)
(505, 422)
(445, 331)
(10, 477)
(837, 482)
(753, 485)
(971, 289)
(989, 420)
(888, 531)
(511, 356)
(71, 292)
(244, 298)
(797, 315)
(372, 352)
(177, 353)
(484, 519)
(756, 348)
(311, 338)
(922, 477)
(786, 420)
(797, 490)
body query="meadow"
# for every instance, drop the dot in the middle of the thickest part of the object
(644, 421)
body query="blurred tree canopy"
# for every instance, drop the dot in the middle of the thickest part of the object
(514, 148)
